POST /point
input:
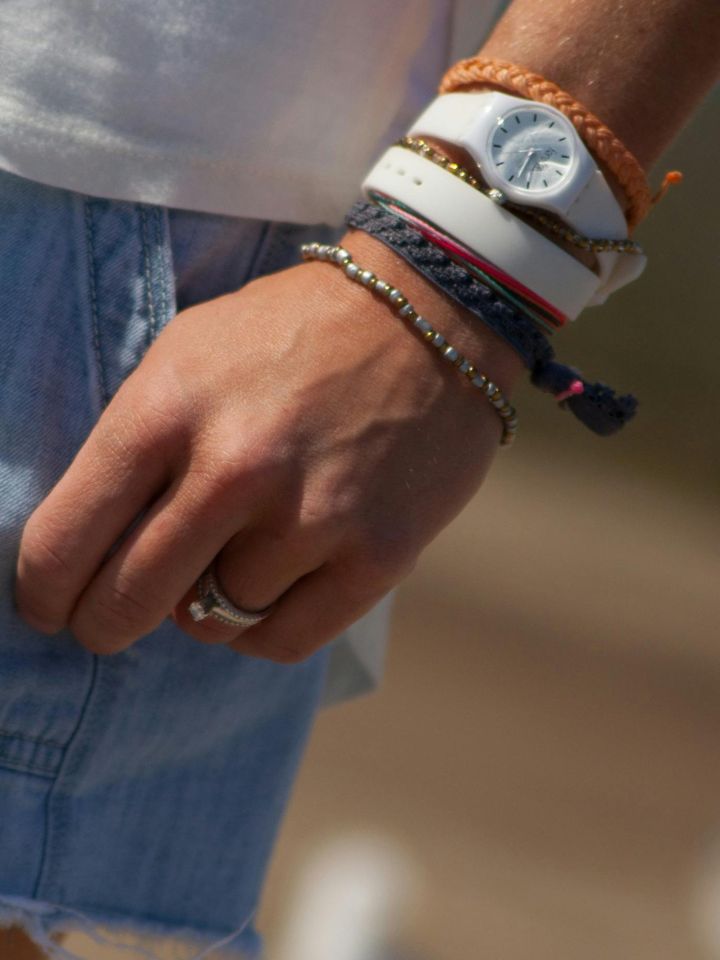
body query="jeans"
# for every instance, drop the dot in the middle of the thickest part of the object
(142, 790)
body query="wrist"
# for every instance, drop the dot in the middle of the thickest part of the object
(487, 351)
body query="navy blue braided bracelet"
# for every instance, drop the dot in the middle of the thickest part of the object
(597, 406)
(522, 335)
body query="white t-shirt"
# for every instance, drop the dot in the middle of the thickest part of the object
(260, 108)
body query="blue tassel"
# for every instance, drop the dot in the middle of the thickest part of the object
(597, 406)
(553, 377)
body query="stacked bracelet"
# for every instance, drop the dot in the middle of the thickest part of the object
(594, 404)
(434, 264)
(505, 288)
(404, 309)
(598, 245)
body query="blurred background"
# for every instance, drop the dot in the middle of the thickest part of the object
(539, 775)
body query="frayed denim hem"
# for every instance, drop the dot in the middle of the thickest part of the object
(40, 920)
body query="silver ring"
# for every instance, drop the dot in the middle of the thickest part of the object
(214, 603)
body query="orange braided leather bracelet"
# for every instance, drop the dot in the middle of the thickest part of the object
(466, 74)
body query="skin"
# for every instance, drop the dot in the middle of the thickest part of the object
(345, 450)
(294, 431)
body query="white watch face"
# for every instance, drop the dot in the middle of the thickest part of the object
(532, 149)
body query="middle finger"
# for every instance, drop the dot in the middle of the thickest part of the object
(139, 585)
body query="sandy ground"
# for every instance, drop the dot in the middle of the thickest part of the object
(543, 752)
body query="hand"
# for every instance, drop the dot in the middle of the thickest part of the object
(294, 430)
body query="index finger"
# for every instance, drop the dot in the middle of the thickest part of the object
(115, 474)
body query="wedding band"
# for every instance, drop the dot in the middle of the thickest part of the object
(214, 603)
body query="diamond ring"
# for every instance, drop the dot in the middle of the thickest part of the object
(212, 602)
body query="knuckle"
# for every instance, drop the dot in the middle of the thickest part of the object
(43, 577)
(230, 478)
(226, 473)
(115, 609)
(41, 557)
(145, 430)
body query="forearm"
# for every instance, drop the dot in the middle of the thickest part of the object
(641, 65)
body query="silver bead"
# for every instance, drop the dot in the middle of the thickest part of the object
(450, 353)
(422, 324)
(383, 288)
(438, 340)
(395, 295)
(406, 310)
(497, 196)
(352, 270)
(366, 277)
(479, 381)
(464, 366)
(341, 255)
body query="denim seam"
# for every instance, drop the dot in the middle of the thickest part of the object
(92, 282)
(262, 246)
(51, 792)
(147, 272)
(24, 736)
(6, 764)
(149, 298)
(163, 277)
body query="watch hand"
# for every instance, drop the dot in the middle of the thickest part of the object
(526, 161)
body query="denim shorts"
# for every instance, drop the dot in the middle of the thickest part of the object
(141, 791)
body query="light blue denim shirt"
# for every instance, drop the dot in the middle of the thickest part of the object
(142, 790)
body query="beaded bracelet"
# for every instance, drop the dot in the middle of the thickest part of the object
(434, 264)
(404, 309)
(504, 286)
(594, 404)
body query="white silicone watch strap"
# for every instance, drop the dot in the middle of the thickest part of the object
(485, 227)
(594, 212)
(463, 119)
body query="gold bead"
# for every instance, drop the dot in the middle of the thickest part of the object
(429, 334)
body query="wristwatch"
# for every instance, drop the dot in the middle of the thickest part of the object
(532, 155)
(530, 152)
(486, 227)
